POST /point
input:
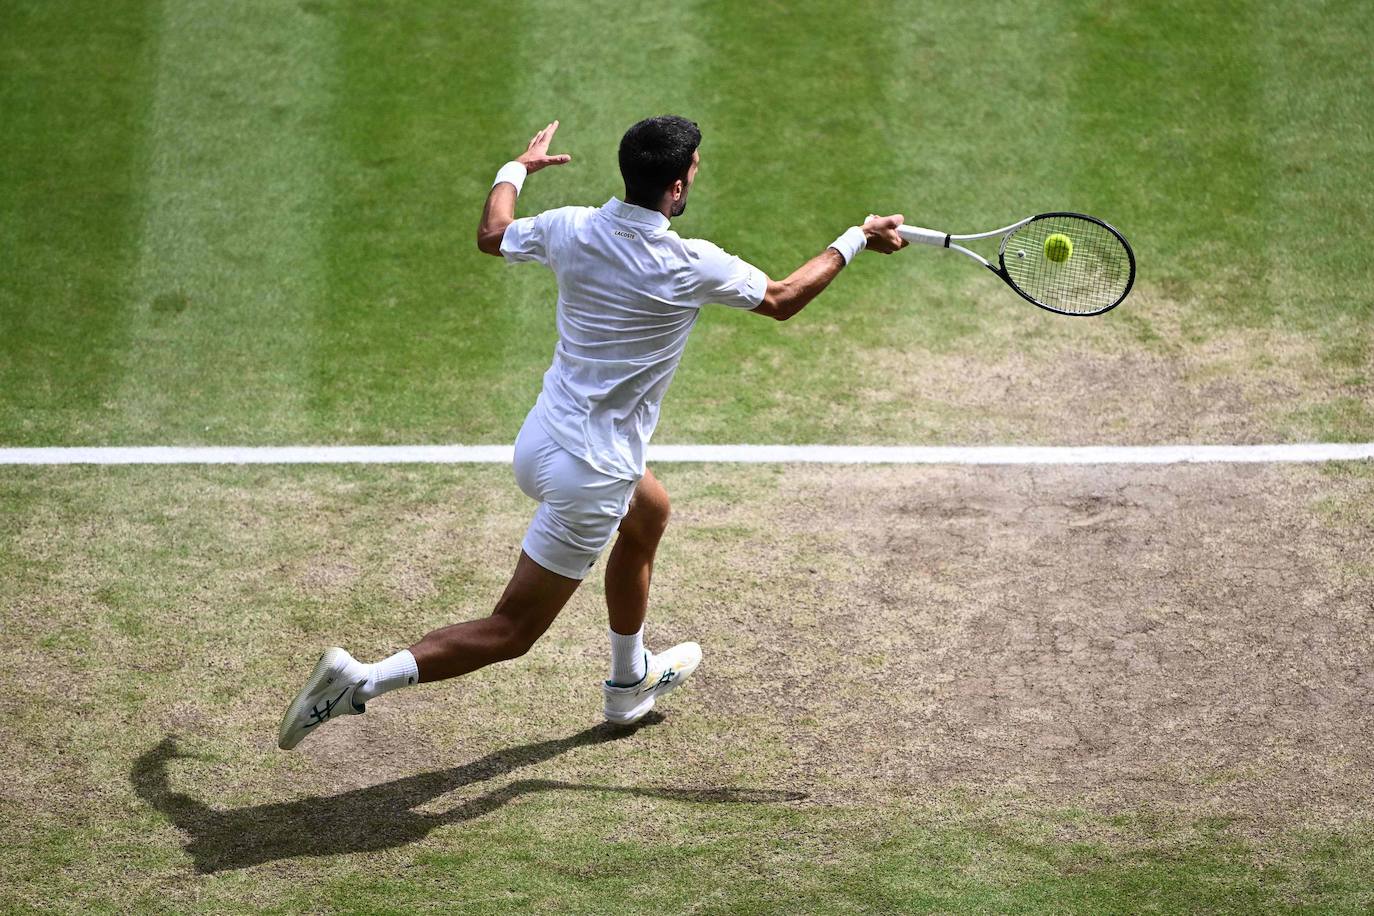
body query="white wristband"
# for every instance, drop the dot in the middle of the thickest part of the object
(850, 243)
(513, 172)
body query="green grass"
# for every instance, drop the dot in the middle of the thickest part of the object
(536, 857)
(254, 224)
(75, 104)
(258, 225)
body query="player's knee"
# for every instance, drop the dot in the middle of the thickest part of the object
(651, 521)
(517, 647)
(517, 636)
(657, 520)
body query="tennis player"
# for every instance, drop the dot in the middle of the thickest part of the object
(629, 291)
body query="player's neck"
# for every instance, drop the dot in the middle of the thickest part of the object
(664, 206)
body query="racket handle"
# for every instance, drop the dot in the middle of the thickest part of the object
(924, 236)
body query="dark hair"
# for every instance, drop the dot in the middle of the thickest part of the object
(655, 153)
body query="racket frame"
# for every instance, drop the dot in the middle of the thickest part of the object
(941, 239)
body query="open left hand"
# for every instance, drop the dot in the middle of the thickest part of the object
(880, 233)
(536, 155)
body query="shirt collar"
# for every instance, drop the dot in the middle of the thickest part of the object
(635, 214)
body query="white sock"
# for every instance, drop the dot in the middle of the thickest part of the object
(627, 658)
(386, 675)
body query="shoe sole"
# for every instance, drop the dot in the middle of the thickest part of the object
(644, 708)
(323, 668)
(633, 716)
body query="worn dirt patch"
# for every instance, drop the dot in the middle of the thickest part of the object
(1196, 636)
(1147, 373)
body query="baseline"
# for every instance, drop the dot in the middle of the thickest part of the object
(749, 454)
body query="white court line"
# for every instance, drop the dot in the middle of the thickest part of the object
(809, 454)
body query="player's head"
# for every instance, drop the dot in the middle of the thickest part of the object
(658, 157)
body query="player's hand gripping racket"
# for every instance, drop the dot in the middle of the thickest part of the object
(1068, 263)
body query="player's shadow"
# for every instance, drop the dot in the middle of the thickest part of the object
(381, 816)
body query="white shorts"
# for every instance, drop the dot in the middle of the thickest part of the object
(579, 507)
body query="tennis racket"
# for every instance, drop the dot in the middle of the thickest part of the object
(1067, 263)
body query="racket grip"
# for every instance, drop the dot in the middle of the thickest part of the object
(917, 235)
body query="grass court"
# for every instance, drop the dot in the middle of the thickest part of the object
(926, 689)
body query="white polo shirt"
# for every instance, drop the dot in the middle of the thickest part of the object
(629, 291)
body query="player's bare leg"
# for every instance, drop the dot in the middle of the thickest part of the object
(631, 564)
(531, 601)
(340, 685)
(638, 677)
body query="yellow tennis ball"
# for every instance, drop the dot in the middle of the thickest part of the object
(1058, 247)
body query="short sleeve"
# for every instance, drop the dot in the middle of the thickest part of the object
(526, 239)
(722, 278)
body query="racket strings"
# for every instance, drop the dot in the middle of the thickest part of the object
(1095, 276)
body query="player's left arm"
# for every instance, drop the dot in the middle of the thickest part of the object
(499, 211)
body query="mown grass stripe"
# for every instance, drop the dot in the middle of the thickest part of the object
(746, 454)
(413, 330)
(230, 268)
(73, 102)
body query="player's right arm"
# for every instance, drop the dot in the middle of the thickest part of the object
(499, 211)
(784, 298)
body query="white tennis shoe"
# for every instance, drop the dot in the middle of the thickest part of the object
(328, 694)
(662, 674)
